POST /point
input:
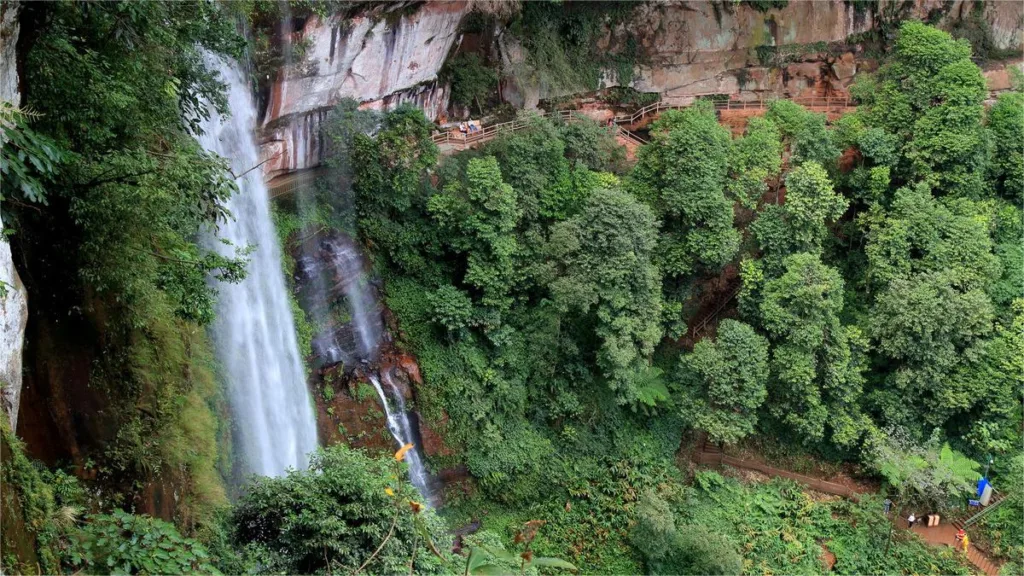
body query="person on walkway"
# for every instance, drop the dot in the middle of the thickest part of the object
(910, 521)
(960, 535)
(965, 544)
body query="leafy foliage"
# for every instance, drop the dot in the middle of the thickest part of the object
(784, 529)
(753, 160)
(929, 95)
(121, 543)
(333, 516)
(682, 176)
(1006, 124)
(471, 80)
(606, 254)
(724, 382)
(26, 156)
(815, 366)
(798, 225)
(930, 475)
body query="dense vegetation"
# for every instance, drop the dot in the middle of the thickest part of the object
(544, 295)
(548, 291)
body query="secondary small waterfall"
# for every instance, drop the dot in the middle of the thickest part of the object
(403, 432)
(254, 331)
(359, 341)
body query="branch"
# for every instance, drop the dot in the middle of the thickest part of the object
(253, 168)
(121, 178)
(394, 522)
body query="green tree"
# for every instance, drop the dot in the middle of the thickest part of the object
(804, 132)
(682, 176)
(452, 308)
(753, 160)
(697, 552)
(533, 160)
(930, 95)
(931, 264)
(335, 515)
(655, 529)
(1006, 129)
(816, 361)
(389, 187)
(471, 80)
(606, 270)
(724, 382)
(480, 218)
(591, 144)
(931, 475)
(990, 373)
(799, 224)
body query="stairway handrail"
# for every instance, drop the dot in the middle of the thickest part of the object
(982, 513)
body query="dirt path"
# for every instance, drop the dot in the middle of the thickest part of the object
(945, 535)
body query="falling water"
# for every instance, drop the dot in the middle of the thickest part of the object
(254, 330)
(363, 346)
(402, 431)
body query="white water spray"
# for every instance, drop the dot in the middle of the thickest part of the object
(254, 330)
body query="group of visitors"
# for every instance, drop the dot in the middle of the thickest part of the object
(469, 127)
(963, 541)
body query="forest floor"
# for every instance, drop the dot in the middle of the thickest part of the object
(945, 535)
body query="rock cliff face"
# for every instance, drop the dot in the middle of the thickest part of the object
(688, 48)
(380, 61)
(696, 48)
(13, 297)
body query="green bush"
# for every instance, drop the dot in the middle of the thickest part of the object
(122, 543)
(333, 516)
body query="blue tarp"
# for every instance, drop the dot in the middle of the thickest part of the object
(981, 486)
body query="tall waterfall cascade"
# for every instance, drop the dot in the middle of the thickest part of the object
(254, 331)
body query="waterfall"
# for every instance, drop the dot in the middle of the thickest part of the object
(367, 331)
(254, 331)
(402, 431)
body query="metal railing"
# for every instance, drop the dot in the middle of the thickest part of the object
(998, 500)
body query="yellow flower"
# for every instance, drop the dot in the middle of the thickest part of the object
(389, 491)
(401, 452)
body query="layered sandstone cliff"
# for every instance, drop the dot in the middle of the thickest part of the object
(688, 49)
(379, 60)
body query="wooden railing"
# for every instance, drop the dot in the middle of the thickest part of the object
(454, 141)
(828, 102)
(713, 456)
(630, 136)
(465, 141)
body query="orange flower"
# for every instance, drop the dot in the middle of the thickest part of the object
(416, 506)
(389, 491)
(401, 452)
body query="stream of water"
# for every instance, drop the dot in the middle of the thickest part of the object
(363, 346)
(254, 331)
